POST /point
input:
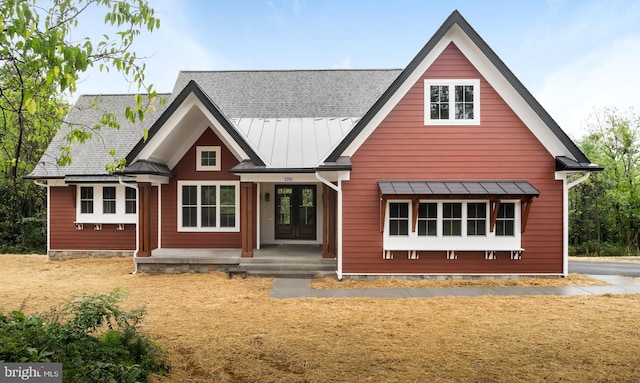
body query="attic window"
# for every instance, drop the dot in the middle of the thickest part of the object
(452, 102)
(208, 158)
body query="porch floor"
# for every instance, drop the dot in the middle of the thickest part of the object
(270, 260)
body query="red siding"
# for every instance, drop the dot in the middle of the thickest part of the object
(186, 170)
(63, 233)
(403, 148)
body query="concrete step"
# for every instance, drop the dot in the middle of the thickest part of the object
(288, 266)
(291, 274)
(286, 260)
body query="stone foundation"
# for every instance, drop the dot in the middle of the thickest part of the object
(63, 255)
(173, 268)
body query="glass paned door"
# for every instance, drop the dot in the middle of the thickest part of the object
(295, 211)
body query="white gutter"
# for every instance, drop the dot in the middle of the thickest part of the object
(46, 185)
(565, 219)
(338, 189)
(135, 253)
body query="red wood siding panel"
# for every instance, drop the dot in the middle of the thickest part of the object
(64, 236)
(403, 148)
(186, 170)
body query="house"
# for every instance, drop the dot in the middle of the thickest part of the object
(449, 166)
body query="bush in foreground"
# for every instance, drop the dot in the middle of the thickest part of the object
(93, 338)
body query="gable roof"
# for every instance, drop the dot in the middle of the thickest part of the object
(281, 119)
(456, 19)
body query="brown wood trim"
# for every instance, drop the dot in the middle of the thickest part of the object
(383, 212)
(328, 222)
(416, 206)
(525, 208)
(246, 219)
(494, 206)
(144, 219)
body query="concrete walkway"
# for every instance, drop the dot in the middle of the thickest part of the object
(301, 288)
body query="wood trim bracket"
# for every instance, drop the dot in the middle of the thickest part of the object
(494, 207)
(525, 208)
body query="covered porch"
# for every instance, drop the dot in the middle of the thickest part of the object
(292, 261)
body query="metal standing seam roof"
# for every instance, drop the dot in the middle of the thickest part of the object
(458, 188)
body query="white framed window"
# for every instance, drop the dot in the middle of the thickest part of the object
(108, 200)
(207, 158)
(131, 202)
(105, 203)
(451, 102)
(208, 206)
(451, 225)
(505, 220)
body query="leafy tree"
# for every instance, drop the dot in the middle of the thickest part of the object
(40, 64)
(606, 209)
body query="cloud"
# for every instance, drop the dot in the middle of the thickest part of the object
(606, 77)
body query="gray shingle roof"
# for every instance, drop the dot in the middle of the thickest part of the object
(291, 93)
(326, 94)
(90, 157)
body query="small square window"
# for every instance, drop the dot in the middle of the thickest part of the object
(208, 158)
(452, 102)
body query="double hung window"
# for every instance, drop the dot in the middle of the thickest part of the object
(208, 205)
(105, 203)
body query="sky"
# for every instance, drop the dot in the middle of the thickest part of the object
(575, 56)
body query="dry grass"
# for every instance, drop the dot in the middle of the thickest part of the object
(571, 280)
(221, 330)
(631, 259)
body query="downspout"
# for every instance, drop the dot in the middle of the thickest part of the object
(338, 190)
(135, 253)
(565, 223)
(46, 185)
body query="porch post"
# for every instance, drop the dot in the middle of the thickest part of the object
(144, 219)
(246, 219)
(328, 222)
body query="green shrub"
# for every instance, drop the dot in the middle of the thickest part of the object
(607, 249)
(93, 338)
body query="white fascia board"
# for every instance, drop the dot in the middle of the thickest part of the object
(194, 132)
(153, 179)
(490, 73)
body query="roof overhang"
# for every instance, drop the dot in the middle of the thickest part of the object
(82, 179)
(492, 190)
(566, 164)
(190, 113)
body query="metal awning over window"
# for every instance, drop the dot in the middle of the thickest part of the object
(494, 191)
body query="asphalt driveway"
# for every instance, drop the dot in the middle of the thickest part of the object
(605, 268)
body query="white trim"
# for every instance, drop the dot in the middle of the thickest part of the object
(342, 176)
(181, 130)
(159, 216)
(217, 228)
(98, 216)
(451, 84)
(207, 168)
(489, 241)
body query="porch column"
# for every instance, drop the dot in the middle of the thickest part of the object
(144, 219)
(328, 222)
(246, 218)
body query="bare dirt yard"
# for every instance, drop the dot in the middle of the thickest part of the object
(221, 330)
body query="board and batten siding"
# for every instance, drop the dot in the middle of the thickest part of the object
(403, 148)
(63, 233)
(185, 170)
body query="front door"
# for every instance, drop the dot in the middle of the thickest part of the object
(296, 212)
